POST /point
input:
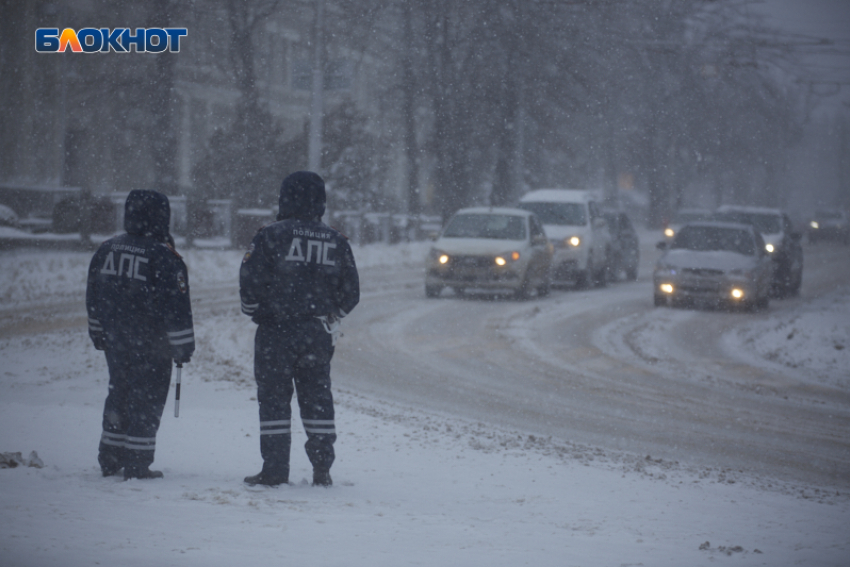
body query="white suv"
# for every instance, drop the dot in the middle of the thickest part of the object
(575, 226)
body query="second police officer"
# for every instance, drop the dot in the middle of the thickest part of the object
(297, 280)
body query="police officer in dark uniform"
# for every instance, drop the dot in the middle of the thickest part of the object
(297, 280)
(139, 312)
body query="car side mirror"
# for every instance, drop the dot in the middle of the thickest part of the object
(661, 245)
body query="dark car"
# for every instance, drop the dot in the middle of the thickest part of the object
(782, 243)
(624, 245)
(829, 225)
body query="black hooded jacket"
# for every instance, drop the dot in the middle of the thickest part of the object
(137, 295)
(299, 267)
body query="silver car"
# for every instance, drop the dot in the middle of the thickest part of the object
(493, 249)
(714, 262)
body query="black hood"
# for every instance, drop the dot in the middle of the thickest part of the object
(147, 213)
(302, 196)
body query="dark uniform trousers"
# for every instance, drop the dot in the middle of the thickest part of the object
(286, 354)
(139, 380)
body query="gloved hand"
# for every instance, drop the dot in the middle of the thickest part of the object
(181, 355)
(331, 323)
(98, 340)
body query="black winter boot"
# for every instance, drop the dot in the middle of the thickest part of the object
(267, 479)
(143, 474)
(322, 477)
(111, 471)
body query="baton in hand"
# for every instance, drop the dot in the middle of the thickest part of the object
(177, 391)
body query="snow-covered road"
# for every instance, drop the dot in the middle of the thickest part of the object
(603, 367)
(586, 428)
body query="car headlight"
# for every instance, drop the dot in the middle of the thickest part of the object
(439, 256)
(667, 288)
(669, 232)
(503, 259)
(770, 248)
(573, 241)
(737, 293)
(814, 224)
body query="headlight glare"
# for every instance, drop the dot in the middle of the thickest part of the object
(769, 248)
(507, 257)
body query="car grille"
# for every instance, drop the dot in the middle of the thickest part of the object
(702, 272)
(699, 286)
(472, 261)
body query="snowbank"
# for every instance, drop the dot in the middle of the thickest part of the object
(814, 336)
(34, 275)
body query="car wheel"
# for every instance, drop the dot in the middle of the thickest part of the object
(610, 269)
(433, 290)
(583, 279)
(794, 289)
(524, 289)
(546, 286)
(600, 278)
(781, 283)
(612, 272)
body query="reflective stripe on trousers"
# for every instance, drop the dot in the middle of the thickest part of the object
(132, 443)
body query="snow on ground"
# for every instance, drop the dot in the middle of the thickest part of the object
(411, 487)
(814, 337)
(37, 275)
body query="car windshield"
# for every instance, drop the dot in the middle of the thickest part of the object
(765, 223)
(705, 238)
(565, 214)
(499, 227)
(828, 215)
(683, 217)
